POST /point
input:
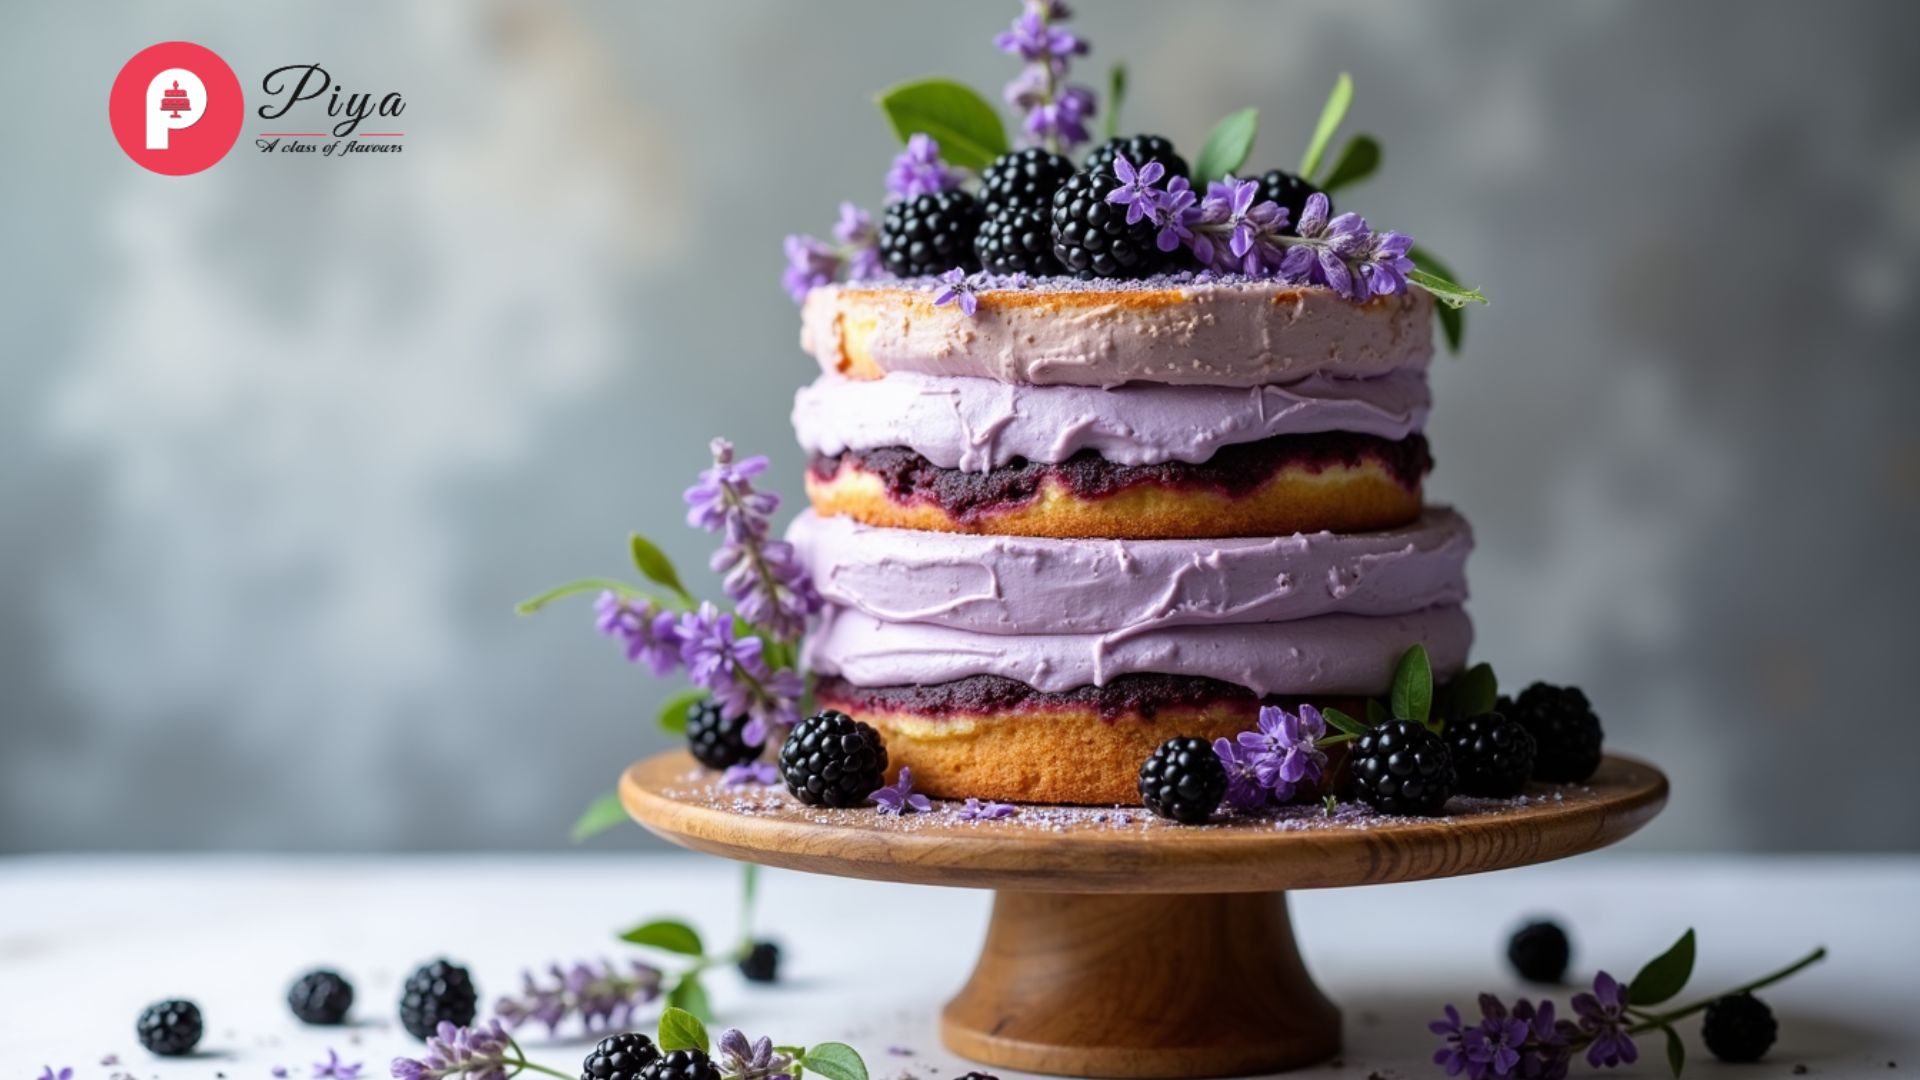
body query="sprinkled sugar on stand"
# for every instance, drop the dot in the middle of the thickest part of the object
(1118, 595)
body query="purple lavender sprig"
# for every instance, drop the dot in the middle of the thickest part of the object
(741, 1058)
(1345, 255)
(918, 170)
(601, 995)
(481, 1052)
(733, 667)
(1283, 752)
(1056, 112)
(646, 630)
(764, 577)
(853, 255)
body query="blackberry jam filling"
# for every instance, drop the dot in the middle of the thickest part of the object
(988, 695)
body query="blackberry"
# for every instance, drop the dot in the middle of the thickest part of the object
(977, 1076)
(170, 1028)
(715, 738)
(321, 997)
(620, 1057)
(762, 963)
(1539, 951)
(1091, 237)
(1492, 755)
(1024, 178)
(1017, 240)
(441, 990)
(1739, 1027)
(833, 760)
(930, 234)
(1566, 732)
(1139, 149)
(1183, 780)
(1400, 767)
(682, 1065)
(1291, 192)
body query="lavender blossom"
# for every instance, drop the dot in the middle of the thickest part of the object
(481, 1052)
(601, 996)
(1282, 749)
(1229, 232)
(1452, 1055)
(810, 263)
(47, 1073)
(740, 1059)
(859, 241)
(335, 1069)
(975, 810)
(1174, 213)
(646, 630)
(1345, 255)
(1494, 1046)
(1056, 112)
(918, 170)
(899, 797)
(1604, 1020)
(1547, 1051)
(959, 289)
(750, 772)
(762, 577)
(1244, 789)
(1136, 191)
(1034, 38)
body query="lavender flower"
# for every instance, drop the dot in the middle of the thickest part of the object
(899, 797)
(763, 577)
(601, 996)
(1136, 191)
(1284, 756)
(1604, 1020)
(1494, 1046)
(854, 254)
(335, 1069)
(1229, 232)
(918, 170)
(646, 630)
(1174, 213)
(1056, 113)
(1525, 1042)
(810, 263)
(975, 810)
(1034, 38)
(859, 241)
(735, 670)
(959, 289)
(481, 1052)
(740, 1059)
(751, 772)
(47, 1073)
(1452, 1055)
(1547, 1051)
(1244, 790)
(1345, 255)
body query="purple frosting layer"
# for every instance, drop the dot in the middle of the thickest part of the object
(978, 424)
(1028, 585)
(1327, 654)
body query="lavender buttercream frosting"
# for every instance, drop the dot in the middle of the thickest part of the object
(1105, 333)
(989, 584)
(977, 425)
(1327, 654)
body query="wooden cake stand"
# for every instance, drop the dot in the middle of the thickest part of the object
(1061, 985)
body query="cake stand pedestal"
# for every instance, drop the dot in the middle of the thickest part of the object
(1144, 950)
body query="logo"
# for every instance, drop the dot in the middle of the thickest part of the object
(176, 108)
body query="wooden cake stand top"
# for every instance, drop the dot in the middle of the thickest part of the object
(1127, 850)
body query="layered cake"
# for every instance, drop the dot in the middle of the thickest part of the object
(1089, 516)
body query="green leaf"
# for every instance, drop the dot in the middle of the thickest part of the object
(668, 934)
(1413, 686)
(680, 1029)
(601, 814)
(1357, 161)
(791, 1051)
(1676, 1050)
(1116, 93)
(959, 119)
(654, 565)
(1453, 321)
(1473, 693)
(1664, 976)
(689, 995)
(673, 711)
(835, 1061)
(1334, 111)
(1343, 723)
(1227, 146)
(1445, 291)
(1377, 713)
(575, 588)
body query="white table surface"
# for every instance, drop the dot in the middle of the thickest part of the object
(85, 943)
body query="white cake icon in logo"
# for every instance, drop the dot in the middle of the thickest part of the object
(176, 98)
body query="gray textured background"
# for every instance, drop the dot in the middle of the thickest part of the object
(281, 443)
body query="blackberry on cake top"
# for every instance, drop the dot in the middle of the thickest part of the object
(930, 234)
(1092, 236)
(1024, 179)
(1139, 149)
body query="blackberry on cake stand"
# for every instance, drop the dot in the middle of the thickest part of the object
(1214, 984)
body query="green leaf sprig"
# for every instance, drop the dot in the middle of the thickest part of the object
(1414, 697)
(1666, 975)
(688, 994)
(967, 128)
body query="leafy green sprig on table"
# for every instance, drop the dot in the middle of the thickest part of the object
(678, 938)
(681, 1030)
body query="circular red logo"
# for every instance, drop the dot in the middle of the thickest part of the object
(176, 108)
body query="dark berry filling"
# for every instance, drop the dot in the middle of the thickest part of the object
(1140, 696)
(1234, 471)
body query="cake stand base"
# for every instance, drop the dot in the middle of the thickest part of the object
(1206, 984)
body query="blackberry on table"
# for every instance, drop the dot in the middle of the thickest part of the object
(716, 739)
(441, 990)
(1492, 755)
(1565, 730)
(170, 1028)
(1017, 240)
(320, 997)
(1139, 150)
(762, 963)
(1739, 1027)
(682, 1065)
(620, 1057)
(1399, 767)
(1183, 780)
(1025, 179)
(930, 234)
(1091, 237)
(1291, 192)
(831, 759)
(1540, 952)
